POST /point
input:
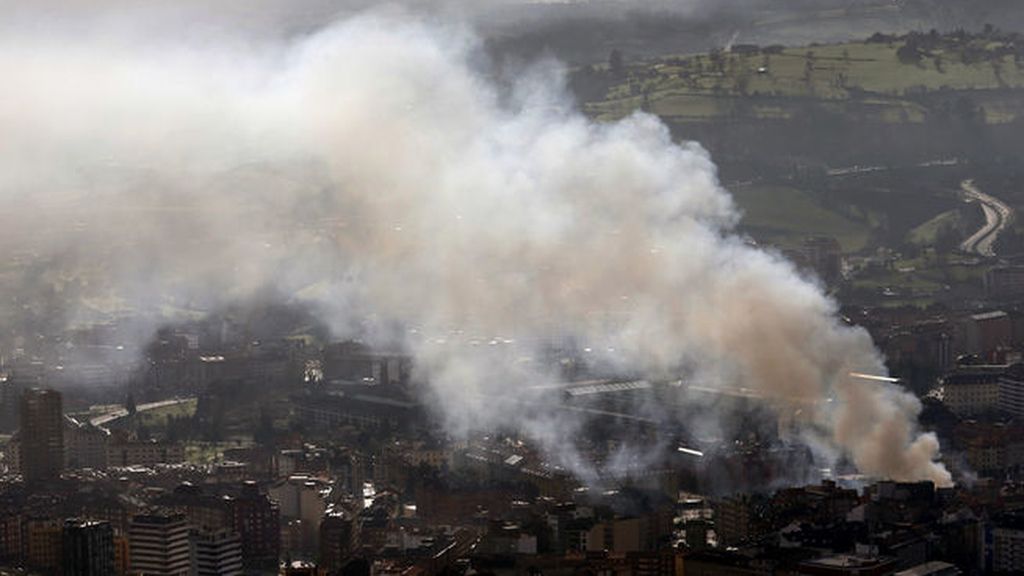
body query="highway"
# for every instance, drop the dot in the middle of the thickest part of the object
(858, 170)
(997, 214)
(997, 217)
(102, 421)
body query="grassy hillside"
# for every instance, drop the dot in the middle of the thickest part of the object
(784, 216)
(889, 79)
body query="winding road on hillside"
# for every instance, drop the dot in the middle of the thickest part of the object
(997, 217)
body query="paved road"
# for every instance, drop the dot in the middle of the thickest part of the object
(997, 217)
(102, 421)
(856, 170)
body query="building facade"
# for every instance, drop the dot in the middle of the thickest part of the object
(972, 390)
(217, 553)
(43, 550)
(257, 519)
(41, 435)
(159, 545)
(88, 548)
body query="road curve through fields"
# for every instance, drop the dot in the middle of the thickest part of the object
(997, 217)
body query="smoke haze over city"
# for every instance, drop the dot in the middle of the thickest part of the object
(376, 170)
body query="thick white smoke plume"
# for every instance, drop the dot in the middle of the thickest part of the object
(368, 167)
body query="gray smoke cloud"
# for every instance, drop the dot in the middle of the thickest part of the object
(369, 169)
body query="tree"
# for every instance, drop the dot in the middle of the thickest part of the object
(615, 64)
(265, 432)
(909, 52)
(356, 567)
(645, 103)
(947, 238)
(717, 60)
(174, 429)
(808, 66)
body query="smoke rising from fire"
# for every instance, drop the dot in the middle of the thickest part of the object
(370, 169)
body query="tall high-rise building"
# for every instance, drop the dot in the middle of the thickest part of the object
(1008, 544)
(10, 537)
(11, 390)
(20, 377)
(159, 545)
(337, 539)
(121, 554)
(257, 519)
(88, 548)
(43, 550)
(41, 435)
(217, 553)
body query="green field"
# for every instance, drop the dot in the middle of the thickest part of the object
(926, 234)
(784, 216)
(862, 78)
(157, 418)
